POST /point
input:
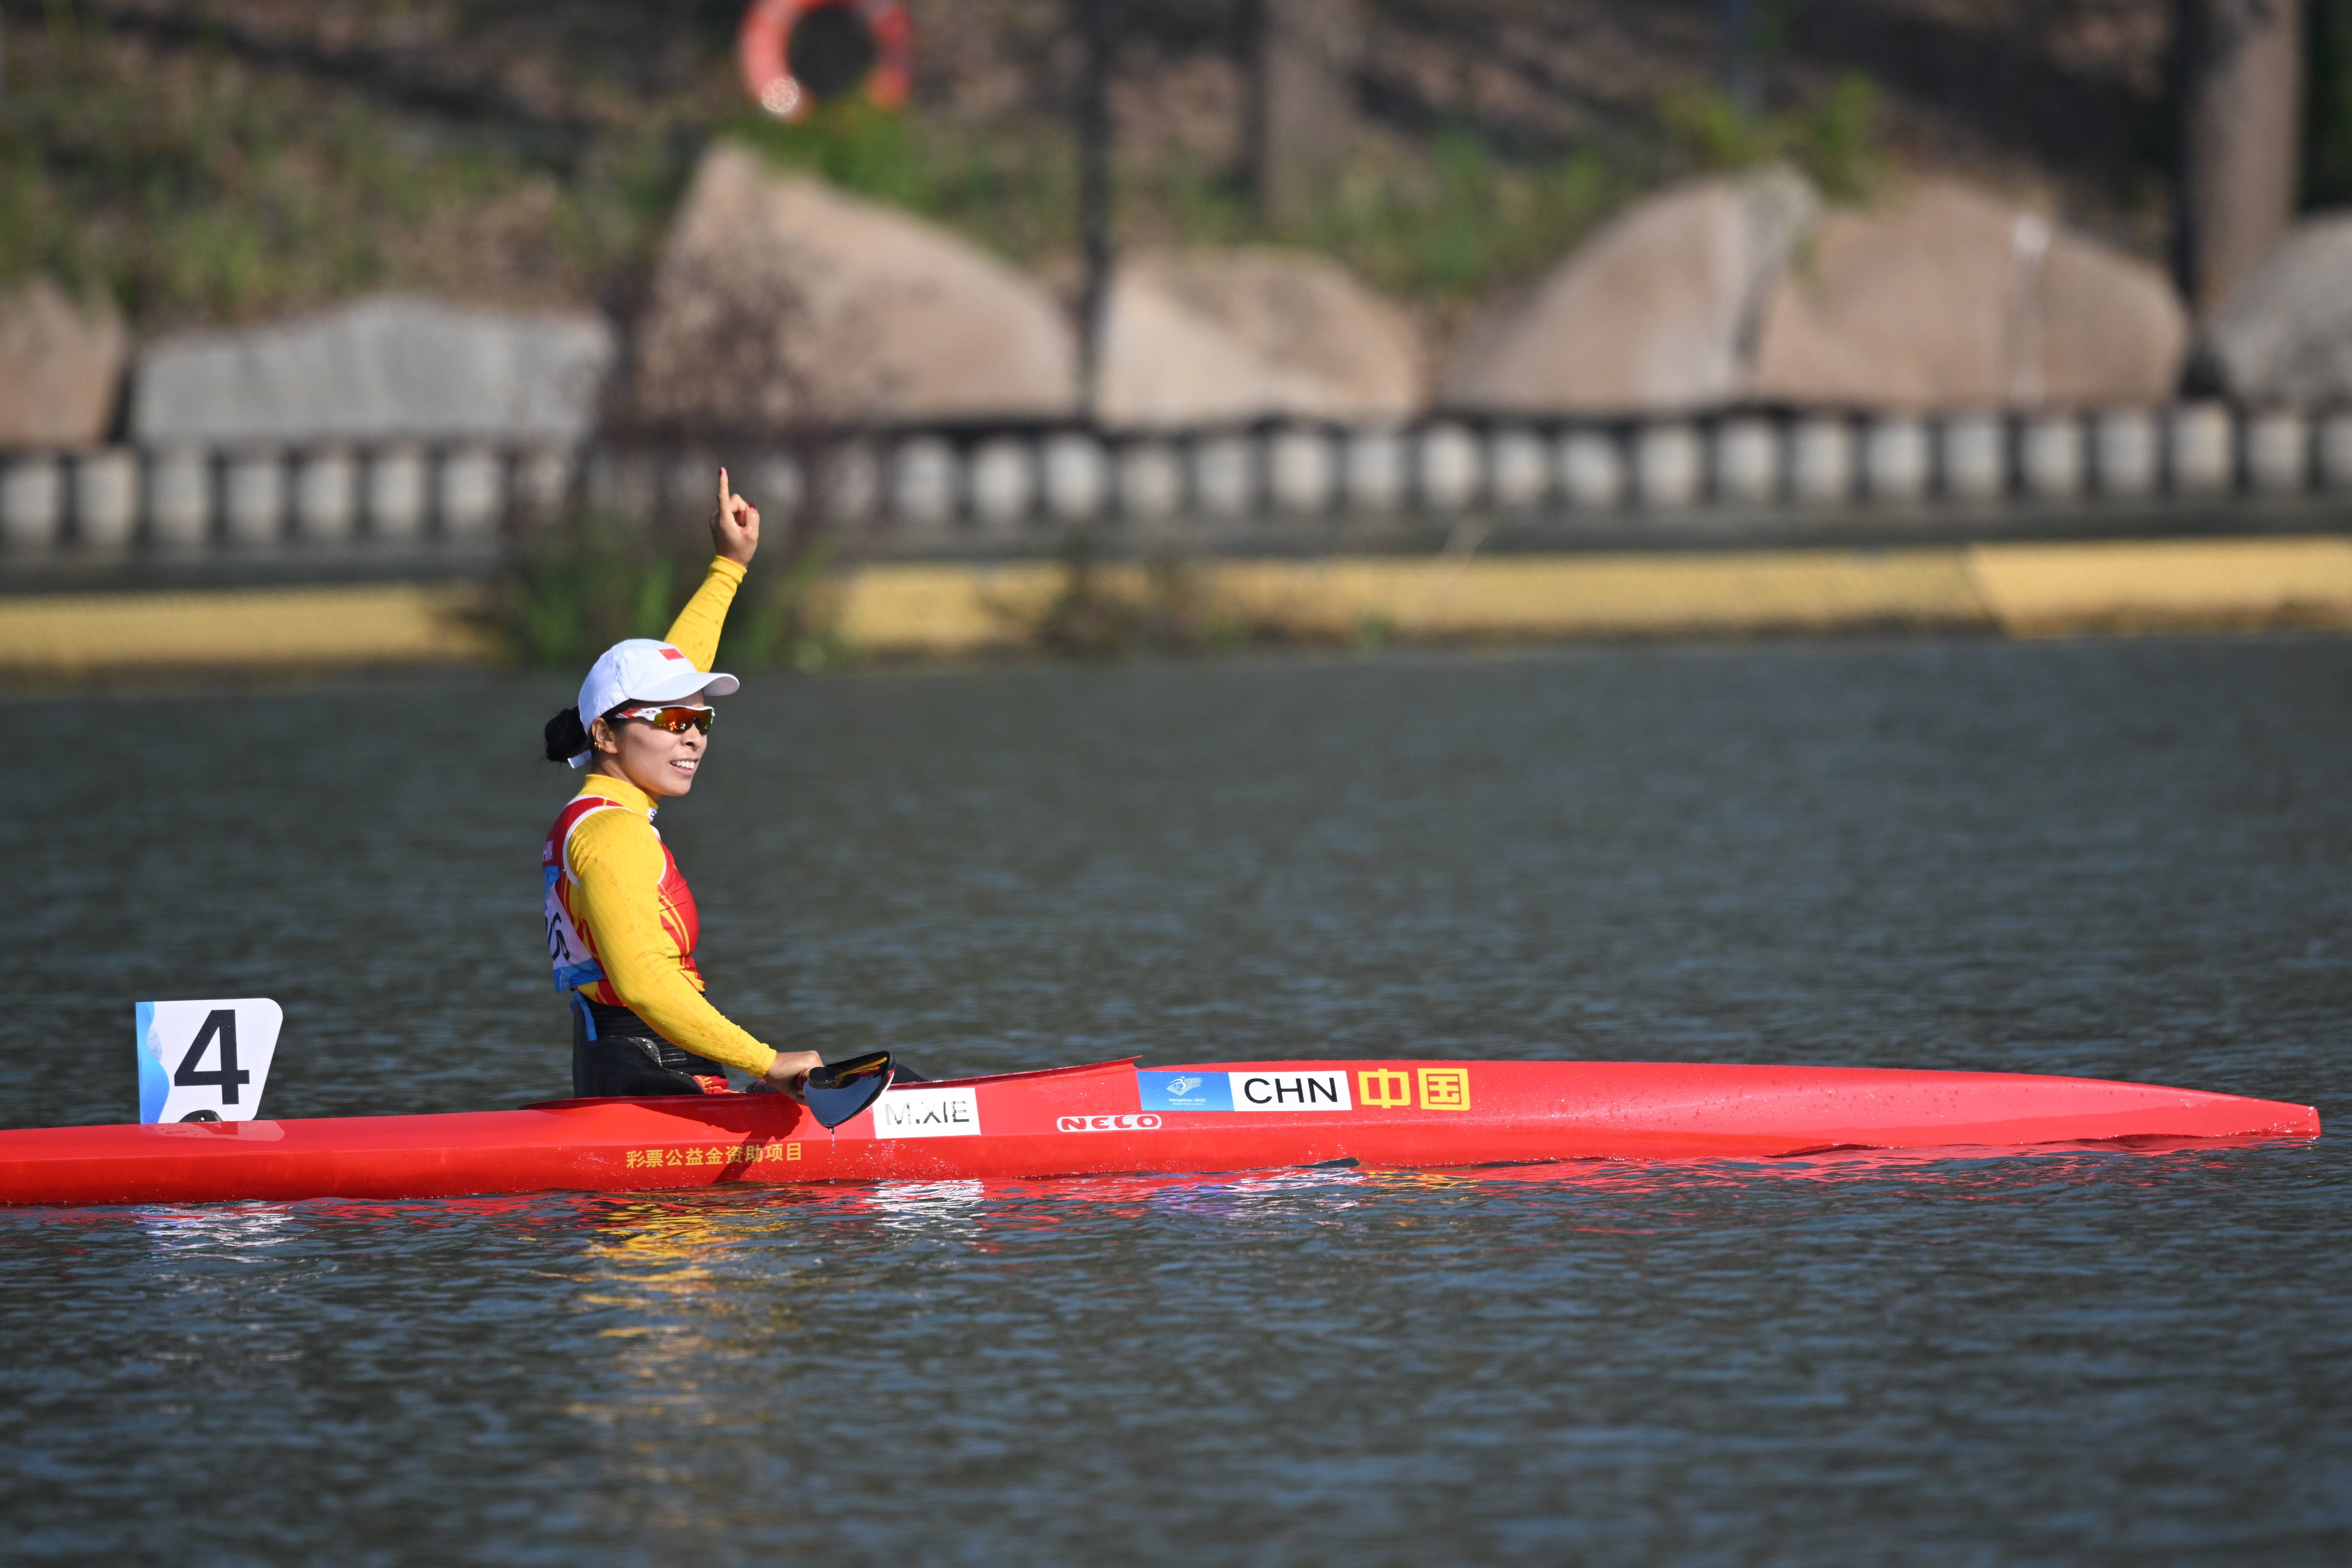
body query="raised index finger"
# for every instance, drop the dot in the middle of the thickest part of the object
(726, 501)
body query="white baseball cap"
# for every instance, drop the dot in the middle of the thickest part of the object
(644, 670)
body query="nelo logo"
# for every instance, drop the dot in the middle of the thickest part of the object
(1147, 1122)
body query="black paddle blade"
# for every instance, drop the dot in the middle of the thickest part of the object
(839, 1090)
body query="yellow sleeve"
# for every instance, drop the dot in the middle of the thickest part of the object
(616, 864)
(695, 631)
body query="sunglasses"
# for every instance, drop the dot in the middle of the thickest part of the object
(677, 720)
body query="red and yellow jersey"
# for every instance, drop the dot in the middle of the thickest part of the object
(569, 942)
(621, 922)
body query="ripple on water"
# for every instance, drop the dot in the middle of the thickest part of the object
(2119, 859)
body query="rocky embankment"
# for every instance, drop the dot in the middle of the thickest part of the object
(779, 300)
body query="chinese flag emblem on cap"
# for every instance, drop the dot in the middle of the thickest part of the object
(673, 653)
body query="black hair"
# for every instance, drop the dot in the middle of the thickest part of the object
(566, 736)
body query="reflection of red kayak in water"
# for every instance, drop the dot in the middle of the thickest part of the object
(1113, 1119)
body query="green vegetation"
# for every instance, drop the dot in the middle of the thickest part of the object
(1832, 137)
(1442, 227)
(206, 184)
(583, 582)
(1442, 224)
(1165, 609)
(196, 188)
(1016, 196)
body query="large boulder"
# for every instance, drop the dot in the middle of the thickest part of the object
(1226, 336)
(1944, 297)
(2284, 334)
(388, 367)
(2105, 328)
(60, 365)
(779, 298)
(1656, 313)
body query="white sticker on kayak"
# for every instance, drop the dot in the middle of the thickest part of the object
(1290, 1090)
(205, 1061)
(928, 1113)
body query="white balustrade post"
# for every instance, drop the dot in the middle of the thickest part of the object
(1748, 461)
(1519, 477)
(623, 483)
(326, 496)
(2050, 457)
(1225, 476)
(924, 482)
(1820, 460)
(396, 493)
(689, 485)
(1150, 480)
(1302, 471)
(1374, 475)
(542, 481)
(473, 484)
(1897, 458)
(852, 483)
(2125, 452)
(180, 497)
(1003, 480)
(2202, 440)
(1448, 461)
(252, 498)
(2278, 452)
(1667, 465)
(32, 502)
(106, 499)
(1591, 466)
(2336, 451)
(1077, 477)
(778, 489)
(1975, 450)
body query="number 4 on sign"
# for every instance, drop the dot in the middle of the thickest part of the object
(205, 1061)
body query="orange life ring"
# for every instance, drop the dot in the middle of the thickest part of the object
(764, 50)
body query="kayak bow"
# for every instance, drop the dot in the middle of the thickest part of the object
(1113, 1118)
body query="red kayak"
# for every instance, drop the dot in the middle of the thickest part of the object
(1113, 1118)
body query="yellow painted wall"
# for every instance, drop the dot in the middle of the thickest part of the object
(2193, 583)
(946, 610)
(2021, 589)
(80, 634)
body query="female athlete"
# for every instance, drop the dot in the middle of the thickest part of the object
(621, 922)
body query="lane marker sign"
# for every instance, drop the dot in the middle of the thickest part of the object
(205, 1061)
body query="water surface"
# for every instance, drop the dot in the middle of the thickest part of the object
(2126, 859)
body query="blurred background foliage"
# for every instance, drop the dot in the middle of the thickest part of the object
(1832, 136)
(1014, 193)
(197, 184)
(1440, 222)
(574, 587)
(226, 160)
(222, 160)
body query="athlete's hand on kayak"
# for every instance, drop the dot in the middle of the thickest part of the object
(735, 526)
(789, 1069)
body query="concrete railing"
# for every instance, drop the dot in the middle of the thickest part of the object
(919, 491)
(196, 500)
